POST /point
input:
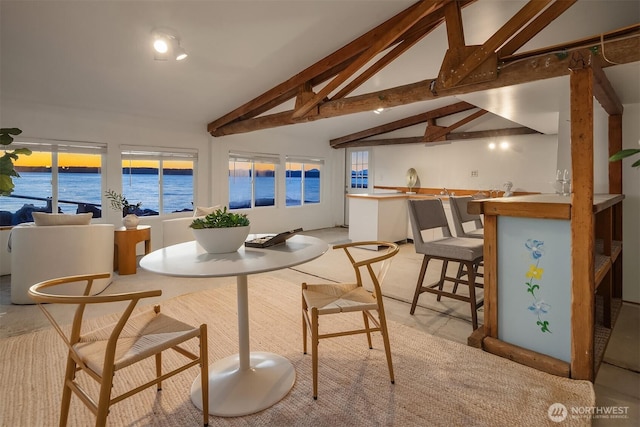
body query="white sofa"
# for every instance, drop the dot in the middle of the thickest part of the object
(45, 252)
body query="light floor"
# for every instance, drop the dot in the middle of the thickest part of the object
(617, 383)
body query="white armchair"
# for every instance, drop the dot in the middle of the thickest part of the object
(45, 252)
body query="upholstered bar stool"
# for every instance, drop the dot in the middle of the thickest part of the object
(474, 227)
(428, 214)
(461, 217)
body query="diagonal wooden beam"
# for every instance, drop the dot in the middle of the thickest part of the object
(345, 54)
(621, 46)
(489, 48)
(423, 8)
(403, 123)
(430, 136)
(402, 47)
(535, 26)
(455, 30)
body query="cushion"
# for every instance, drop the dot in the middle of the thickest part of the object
(203, 210)
(43, 219)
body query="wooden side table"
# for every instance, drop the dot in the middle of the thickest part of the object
(125, 241)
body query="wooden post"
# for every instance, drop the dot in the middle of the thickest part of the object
(491, 275)
(582, 218)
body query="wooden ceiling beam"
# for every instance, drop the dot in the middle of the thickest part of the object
(403, 123)
(455, 31)
(422, 9)
(400, 48)
(337, 59)
(621, 46)
(476, 57)
(602, 89)
(535, 26)
(435, 133)
(454, 136)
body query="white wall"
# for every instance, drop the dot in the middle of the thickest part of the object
(528, 162)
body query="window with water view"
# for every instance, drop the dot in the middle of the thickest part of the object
(303, 181)
(58, 177)
(163, 182)
(252, 180)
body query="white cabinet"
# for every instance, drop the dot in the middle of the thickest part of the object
(381, 217)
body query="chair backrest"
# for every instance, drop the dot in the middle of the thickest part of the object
(72, 337)
(427, 214)
(461, 216)
(386, 250)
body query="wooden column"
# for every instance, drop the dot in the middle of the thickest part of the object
(582, 219)
(491, 275)
(615, 187)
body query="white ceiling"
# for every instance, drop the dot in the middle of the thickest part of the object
(97, 55)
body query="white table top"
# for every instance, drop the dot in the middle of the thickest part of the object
(190, 260)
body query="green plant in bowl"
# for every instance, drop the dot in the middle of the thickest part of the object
(221, 218)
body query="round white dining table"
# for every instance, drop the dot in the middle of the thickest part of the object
(246, 382)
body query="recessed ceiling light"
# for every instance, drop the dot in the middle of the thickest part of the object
(166, 44)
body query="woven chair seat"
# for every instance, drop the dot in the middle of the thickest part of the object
(144, 335)
(339, 298)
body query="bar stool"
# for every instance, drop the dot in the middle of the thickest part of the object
(461, 217)
(428, 214)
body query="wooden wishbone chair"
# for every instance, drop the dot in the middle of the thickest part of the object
(332, 298)
(102, 352)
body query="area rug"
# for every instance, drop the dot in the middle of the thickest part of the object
(438, 382)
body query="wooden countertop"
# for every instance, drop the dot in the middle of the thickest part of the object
(550, 206)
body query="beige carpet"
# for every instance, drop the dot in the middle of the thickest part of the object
(438, 382)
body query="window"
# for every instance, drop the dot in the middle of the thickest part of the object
(302, 181)
(163, 181)
(64, 177)
(359, 169)
(252, 180)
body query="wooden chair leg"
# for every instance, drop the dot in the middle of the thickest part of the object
(104, 399)
(423, 270)
(204, 373)
(69, 375)
(159, 370)
(471, 276)
(366, 327)
(443, 274)
(385, 339)
(314, 350)
(304, 321)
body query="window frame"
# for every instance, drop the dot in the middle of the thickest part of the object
(304, 161)
(253, 158)
(161, 154)
(56, 147)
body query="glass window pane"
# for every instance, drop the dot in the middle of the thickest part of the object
(359, 169)
(177, 186)
(311, 183)
(80, 183)
(265, 184)
(32, 191)
(294, 184)
(141, 183)
(239, 185)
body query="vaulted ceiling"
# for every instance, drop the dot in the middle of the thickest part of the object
(96, 56)
(321, 90)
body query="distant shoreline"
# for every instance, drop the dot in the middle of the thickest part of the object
(84, 169)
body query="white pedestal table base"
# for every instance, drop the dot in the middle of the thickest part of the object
(234, 392)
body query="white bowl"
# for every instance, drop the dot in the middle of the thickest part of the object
(221, 240)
